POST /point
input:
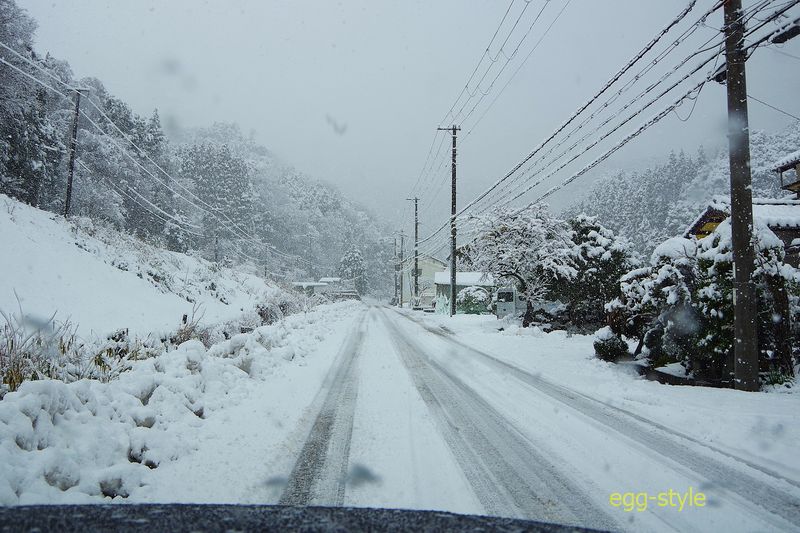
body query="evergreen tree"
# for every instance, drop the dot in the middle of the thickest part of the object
(601, 259)
(351, 267)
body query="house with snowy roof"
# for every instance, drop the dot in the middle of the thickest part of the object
(309, 287)
(782, 217)
(463, 280)
(428, 267)
(788, 168)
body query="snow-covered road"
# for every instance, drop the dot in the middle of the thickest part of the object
(368, 406)
(411, 416)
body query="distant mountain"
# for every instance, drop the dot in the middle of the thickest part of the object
(650, 205)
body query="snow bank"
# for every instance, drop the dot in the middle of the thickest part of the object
(103, 280)
(87, 440)
(763, 428)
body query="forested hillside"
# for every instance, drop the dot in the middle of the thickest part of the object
(651, 205)
(211, 191)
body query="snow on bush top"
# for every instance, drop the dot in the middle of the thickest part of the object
(84, 441)
(674, 248)
(473, 295)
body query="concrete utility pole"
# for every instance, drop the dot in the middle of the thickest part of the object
(454, 130)
(73, 143)
(745, 347)
(402, 244)
(416, 246)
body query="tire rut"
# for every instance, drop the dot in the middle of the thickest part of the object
(658, 439)
(508, 474)
(320, 472)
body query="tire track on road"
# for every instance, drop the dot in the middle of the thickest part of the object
(508, 474)
(657, 438)
(320, 473)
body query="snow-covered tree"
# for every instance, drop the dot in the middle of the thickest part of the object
(601, 259)
(351, 267)
(525, 247)
(681, 306)
(222, 181)
(650, 205)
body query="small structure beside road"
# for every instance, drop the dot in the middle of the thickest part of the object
(463, 280)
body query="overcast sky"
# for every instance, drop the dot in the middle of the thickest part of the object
(352, 91)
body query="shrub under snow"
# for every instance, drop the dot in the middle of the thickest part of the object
(608, 346)
(473, 300)
(88, 440)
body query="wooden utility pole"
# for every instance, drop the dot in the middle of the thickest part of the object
(73, 143)
(454, 131)
(745, 346)
(416, 247)
(402, 244)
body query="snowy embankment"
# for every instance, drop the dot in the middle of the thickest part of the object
(763, 428)
(101, 280)
(86, 441)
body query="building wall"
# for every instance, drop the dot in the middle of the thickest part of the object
(428, 266)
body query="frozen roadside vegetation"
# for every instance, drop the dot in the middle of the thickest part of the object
(87, 440)
(79, 299)
(761, 428)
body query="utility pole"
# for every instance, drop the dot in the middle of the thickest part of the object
(454, 130)
(396, 270)
(402, 244)
(73, 143)
(745, 346)
(416, 246)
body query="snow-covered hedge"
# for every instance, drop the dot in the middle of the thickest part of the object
(473, 300)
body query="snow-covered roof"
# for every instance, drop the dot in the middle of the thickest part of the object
(783, 215)
(786, 162)
(306, 284)
(330, 280)
(479, 279)
(772, 212)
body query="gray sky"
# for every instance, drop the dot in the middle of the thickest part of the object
(295, 72)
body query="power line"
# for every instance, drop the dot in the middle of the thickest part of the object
(445, 119)
(691, 95)
(751, 97)
(637, 57)
(519, 67)
(213, 211)
(608, 120)
(787, 54)
(158, 213)
(509, 58)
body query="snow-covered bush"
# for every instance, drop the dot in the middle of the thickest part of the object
(473, 300)
(608, 346)
(90, 441)
(601, 258)
(442, 305)
(681, 306)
